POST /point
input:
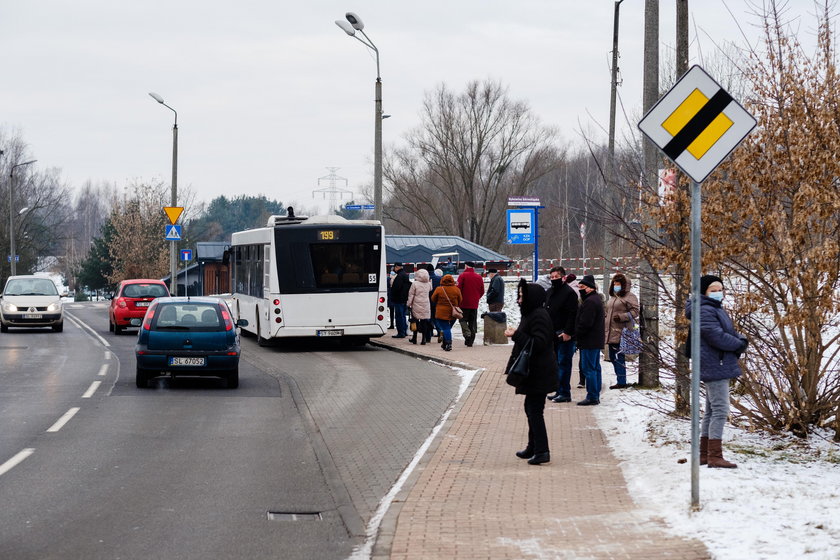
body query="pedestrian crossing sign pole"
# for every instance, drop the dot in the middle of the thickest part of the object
(696, 124)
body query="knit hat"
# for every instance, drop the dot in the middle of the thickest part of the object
(707, 281)
(589, 282)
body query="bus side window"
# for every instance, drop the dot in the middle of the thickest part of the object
(329, 278)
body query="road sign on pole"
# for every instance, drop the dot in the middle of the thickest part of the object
(173, 213)
(697, 124)
(172, 233)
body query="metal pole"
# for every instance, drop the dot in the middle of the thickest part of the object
(13, 268)
(611, 144)
(173, 245)
(536, 242)
(695, 343)
(377, 148)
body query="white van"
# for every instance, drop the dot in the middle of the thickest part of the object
(30, 301)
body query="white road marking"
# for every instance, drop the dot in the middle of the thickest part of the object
(16, 460)
(82, 325)
(92, 389)
(64, 419)
(104, 369)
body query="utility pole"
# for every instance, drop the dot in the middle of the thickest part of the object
(682, 400)
(608, 194)
(649, 289)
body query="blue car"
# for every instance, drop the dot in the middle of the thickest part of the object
(188, 336)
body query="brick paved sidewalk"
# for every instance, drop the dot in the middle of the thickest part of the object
(471, 497)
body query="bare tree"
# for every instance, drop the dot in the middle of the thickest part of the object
(457, 169)
(138, 248)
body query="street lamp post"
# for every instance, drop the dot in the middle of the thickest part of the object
(13, 264)
(173, 252)
(354, 23)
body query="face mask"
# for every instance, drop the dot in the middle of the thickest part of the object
(717, 296)
(616, 289)
(557, 282)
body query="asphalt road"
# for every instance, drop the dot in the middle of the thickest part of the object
(292, 464)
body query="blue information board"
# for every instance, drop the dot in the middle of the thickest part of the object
(520, 226)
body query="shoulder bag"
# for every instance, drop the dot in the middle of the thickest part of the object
(457, 313)
(521, 366)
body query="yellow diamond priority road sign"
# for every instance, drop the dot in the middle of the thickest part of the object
(697, 124)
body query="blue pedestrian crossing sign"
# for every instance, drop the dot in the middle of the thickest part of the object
(172, 232)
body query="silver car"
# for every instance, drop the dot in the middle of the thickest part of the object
(31, 301)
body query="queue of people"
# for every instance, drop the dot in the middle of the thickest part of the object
(570, 316)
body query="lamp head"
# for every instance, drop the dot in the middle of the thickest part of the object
(355, 21)
(156, 97)
(346, 27)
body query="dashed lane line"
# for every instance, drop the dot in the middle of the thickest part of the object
(92, 389)
(64, 419)
(16, 460)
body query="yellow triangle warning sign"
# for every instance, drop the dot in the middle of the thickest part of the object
(174, 212)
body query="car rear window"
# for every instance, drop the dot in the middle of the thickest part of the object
(144, 291)
(189, 316)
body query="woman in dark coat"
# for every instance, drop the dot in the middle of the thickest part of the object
(542, 377)
(720, 348)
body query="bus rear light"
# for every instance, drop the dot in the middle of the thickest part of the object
(277, 311)
(380, 318)
(276, 302)
(381, 299)
(381, 308)
(278, 319)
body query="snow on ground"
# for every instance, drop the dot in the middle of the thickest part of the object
(783, 500)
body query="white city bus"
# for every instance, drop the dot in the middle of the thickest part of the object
(322, 276)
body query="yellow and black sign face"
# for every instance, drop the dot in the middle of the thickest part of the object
(697, 124)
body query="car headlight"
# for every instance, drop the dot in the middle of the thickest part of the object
(53, 307)
(9, 308)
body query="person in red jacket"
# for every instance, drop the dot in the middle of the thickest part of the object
(472, 289)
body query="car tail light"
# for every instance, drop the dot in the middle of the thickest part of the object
(121, 302)
(147, 320)
(227, 319)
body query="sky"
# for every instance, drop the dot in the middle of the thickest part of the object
(271, 94)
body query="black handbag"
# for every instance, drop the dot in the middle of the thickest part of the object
(521, 366)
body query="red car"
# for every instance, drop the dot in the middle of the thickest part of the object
(131, 301)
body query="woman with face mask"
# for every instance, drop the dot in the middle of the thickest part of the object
(720, 348)
(622, 308)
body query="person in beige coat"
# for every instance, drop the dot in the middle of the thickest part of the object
(421, 306)
(622, 308)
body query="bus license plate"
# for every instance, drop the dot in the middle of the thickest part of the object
(333, 332)
(175, 361)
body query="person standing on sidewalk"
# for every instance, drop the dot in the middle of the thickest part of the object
(589, 333)
(421, 307)
(720, 348)
(399, 294)
(562, 305)
(446, 297)
(495, 292)
(622, 308)
(535, 326)
(472, 288)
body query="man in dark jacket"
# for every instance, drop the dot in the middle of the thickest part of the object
(589, 333)
(562, 305)
(399, 295)
(495, 292)
(472, 288)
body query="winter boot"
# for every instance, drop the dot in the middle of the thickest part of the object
(447, 346)
(704, 450)
(413, 338)
(716, 460)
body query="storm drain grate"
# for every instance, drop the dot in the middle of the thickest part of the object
(289, 516)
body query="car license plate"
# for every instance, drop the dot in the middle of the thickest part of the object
(33, 316)
(176, 361)
(333, 332)
(142, 304)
